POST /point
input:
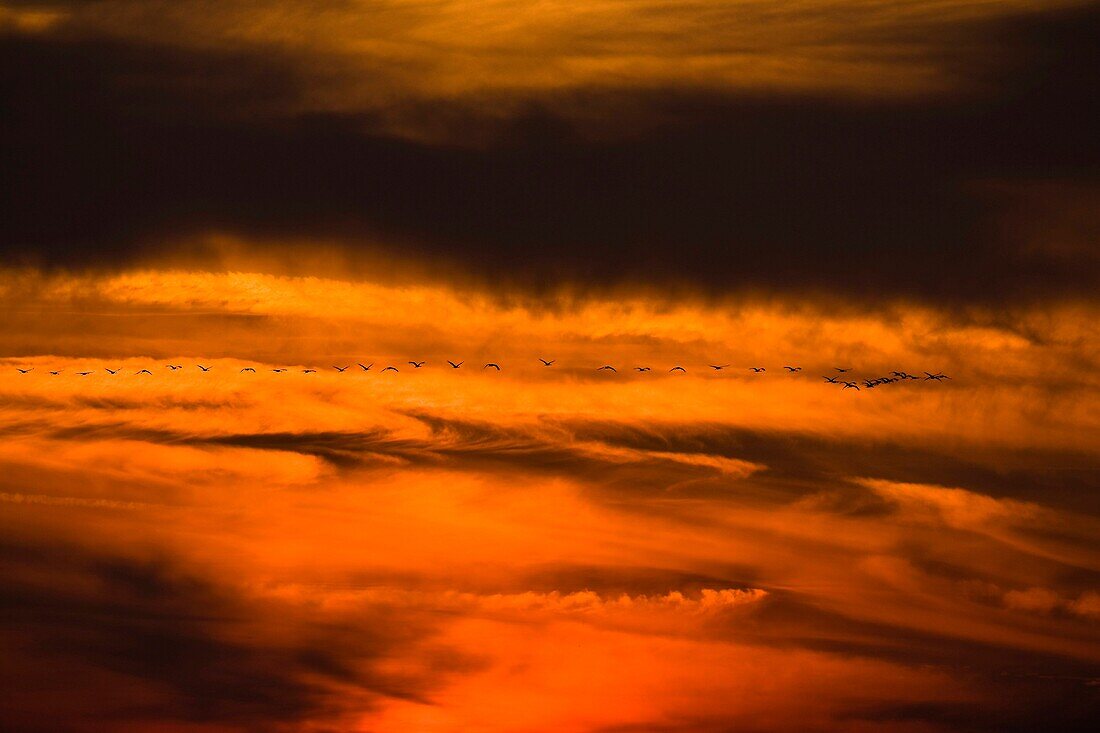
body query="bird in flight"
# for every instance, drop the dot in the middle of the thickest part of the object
(607, 367)
(57, 372)
(204, 368)
(491, 364)
(389, 368)
(368, 366)
(278, 371)
(24, 371)
(342, 369)
(792, 369)
(308, 371)
(678, 369)
(641, 369)
(936, 377)
(717, 368)
(831, 380)
(851, 385)
(758, 369)
(545, 362)
(455, 366)
(143, 371)
(249, 369)
(84, 374)
(843, 370)
(416, 364)
(174, 367)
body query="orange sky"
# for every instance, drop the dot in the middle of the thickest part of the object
(540, 548)
(284, 541)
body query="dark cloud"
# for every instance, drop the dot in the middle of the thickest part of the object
(112, 147)
(1017, 689)
(1016, 692)
(454, 444)
(1070, 708)
(791, 464)
(800, 462)
(1064, 711)
(36, 402)
(794, 620)
(185, 648)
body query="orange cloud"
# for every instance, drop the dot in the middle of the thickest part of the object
(541, 547)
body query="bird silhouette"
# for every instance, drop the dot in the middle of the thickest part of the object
(858, 384)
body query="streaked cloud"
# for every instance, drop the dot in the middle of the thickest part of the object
(684, 525)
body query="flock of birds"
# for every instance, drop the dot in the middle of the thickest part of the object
(840, 378)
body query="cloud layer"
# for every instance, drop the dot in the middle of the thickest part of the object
(540, 548)
(763, 193)
(939, 152)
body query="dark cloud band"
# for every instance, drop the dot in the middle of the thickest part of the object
(731, 191)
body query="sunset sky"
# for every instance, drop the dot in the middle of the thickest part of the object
(879, 186)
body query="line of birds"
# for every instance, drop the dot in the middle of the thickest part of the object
(894, 377)
(838, 378)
